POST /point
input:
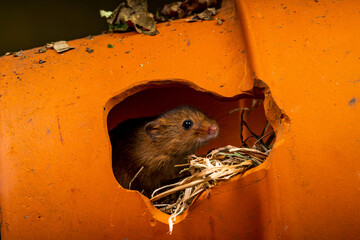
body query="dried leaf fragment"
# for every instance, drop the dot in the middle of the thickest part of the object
(186, 8)
(206, 15)
(173, 10)
(18, 54)
(106, 14)
(134, 14)
(61, 46)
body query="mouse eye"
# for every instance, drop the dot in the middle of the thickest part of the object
(187, 124)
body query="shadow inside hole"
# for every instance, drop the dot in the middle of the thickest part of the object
(154, 101)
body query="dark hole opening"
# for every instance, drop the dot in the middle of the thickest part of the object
(241, 122)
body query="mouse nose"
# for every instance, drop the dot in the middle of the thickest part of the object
(213, 130)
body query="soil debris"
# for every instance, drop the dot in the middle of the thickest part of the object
(89, 50)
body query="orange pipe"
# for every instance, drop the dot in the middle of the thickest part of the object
(56, 177)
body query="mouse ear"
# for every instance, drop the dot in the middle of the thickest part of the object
(152, 129)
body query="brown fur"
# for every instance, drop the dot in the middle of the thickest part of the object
(157, 144)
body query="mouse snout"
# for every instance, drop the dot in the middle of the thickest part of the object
(213, 130)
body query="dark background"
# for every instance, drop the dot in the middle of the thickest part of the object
(26, 24)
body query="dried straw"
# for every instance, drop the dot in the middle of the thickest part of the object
(220, 164)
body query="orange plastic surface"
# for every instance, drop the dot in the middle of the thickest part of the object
(55, 170)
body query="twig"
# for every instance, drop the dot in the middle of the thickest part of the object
(135, 176)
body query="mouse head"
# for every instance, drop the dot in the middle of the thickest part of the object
(182, 129)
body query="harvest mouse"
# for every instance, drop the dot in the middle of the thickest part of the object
(158, 144)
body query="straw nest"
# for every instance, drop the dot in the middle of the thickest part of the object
(205, 172)
(220, 164)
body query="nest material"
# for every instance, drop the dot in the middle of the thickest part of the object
(220, 164)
